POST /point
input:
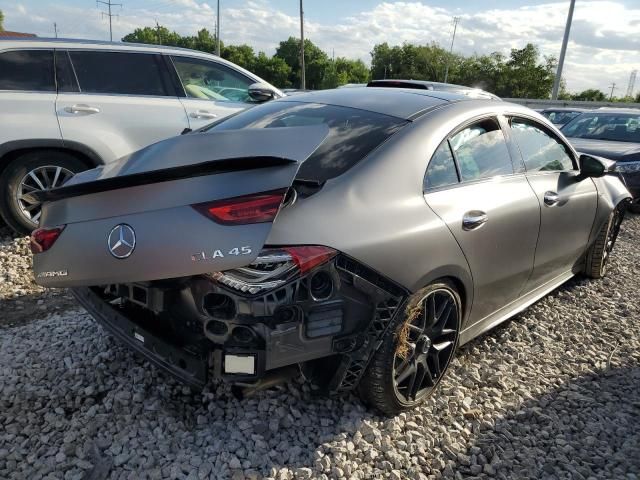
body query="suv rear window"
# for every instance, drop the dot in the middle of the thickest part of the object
(119, 73)
(27, 70)
(353, 133)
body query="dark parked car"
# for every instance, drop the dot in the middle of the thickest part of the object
(561, 116)
(614, 134)
(357, 235)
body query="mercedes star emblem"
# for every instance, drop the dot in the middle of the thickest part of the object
(122, 241)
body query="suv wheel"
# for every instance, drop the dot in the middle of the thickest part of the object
(29, 173)
(416, 352)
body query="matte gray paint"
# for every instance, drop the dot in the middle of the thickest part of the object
(376, 212)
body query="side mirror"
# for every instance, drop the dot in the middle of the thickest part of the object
(591, 166)
(261, 92)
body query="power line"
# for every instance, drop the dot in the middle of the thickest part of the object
(108, 13)
(453, 37)
(563, 51)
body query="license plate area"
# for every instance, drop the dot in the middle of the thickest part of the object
(239, 364)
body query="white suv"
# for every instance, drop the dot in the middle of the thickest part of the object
(68, 105)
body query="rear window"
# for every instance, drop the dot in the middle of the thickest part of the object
(27, 70)
(353, 133)
(119, 73)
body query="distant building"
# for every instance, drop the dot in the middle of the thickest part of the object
(7, 33)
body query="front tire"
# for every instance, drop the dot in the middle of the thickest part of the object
(597, 257)
(28, 173)
(415, 352)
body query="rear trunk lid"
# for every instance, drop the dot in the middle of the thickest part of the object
(145, 201)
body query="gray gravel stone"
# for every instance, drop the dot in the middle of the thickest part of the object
(553, 393)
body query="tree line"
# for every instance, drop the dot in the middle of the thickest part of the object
(524, 73)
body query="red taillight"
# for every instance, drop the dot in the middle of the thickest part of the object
(308, 257)
(255, 208)
(42, 239)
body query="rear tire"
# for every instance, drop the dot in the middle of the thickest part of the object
(416, 351)
(50, 168)
(597, 257)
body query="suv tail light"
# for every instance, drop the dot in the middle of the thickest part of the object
(254, 208)
(42, 239)
(274, 267)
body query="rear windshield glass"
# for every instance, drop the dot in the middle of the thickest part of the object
(352, 135)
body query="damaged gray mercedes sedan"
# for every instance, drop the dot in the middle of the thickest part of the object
(354, 236)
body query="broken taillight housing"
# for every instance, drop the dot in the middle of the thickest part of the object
(254, 208)
(42, 239)
(274, 267)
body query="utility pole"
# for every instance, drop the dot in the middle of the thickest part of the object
(453, 37)
(55, 29)
(302, 79)
(218, 30)
(108, 13)
(613, 87)
(158, 32)
(563, 51)
(632, 83)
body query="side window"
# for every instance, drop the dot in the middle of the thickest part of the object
(481, 151)
(65, 78)
(441, 171)
(211, 81)
(27, 70)
(540, 150)
(120, 73)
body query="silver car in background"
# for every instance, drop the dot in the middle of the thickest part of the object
(357, 236)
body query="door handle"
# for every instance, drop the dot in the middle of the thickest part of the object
(81, 108)
(551, 198)
(474, 219)
(202, 114)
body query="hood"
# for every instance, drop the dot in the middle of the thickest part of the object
(618, 151)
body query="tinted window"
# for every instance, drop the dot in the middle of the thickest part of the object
(65, 77)
(560, 117)
(352, 134)
(618, 127)
(540, 150)
(27, 70)
(119, 73)
(442, 168)
(481, 151)
(211, 81)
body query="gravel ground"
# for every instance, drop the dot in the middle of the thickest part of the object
(553, 393)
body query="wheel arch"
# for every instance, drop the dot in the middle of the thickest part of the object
(11, 150)
(461, 280)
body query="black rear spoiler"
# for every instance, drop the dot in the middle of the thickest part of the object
(212, 167)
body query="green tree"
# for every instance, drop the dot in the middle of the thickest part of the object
(525, 77)
(154, 35)
(1, 21)
(343, 70)
(316, 61)
(273, 69)
(591, 94)
(242, 55)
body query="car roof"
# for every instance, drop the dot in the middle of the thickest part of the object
(397, 102)
(565, 109)
(617, 110)
(429, 85)
(80, 41)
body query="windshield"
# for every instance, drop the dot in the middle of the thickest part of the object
(353, 133)
(618, 127)
(560, 117)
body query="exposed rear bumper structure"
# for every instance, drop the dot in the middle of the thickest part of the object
(197, 329)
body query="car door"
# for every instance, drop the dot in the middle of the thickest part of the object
(568, 202)
(211, 90)
(27, 95)
(491, 210)
(119, 102)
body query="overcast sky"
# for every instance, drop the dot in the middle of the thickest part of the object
(604, 46)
